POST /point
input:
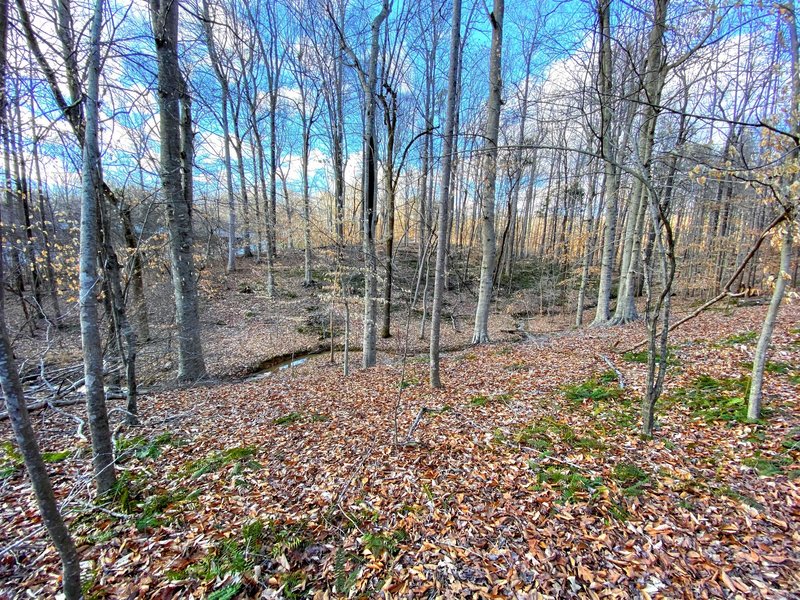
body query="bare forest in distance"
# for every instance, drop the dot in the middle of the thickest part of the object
(386, 299)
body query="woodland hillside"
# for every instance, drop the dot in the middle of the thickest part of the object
(387, 299)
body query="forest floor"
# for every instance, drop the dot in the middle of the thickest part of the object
(524, 477)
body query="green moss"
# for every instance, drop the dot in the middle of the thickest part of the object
(768, 467)
(143, 448)
(715, 399)
(572, 485)
(631, 477)
(408, 382)
(641, 357)
(239, 456)
(288, 419)
(741, 337)
(592, 389)
(738, 496)
(479, 401)
(382, 543)
(345, 580)
(544, 434)
(52, 457)
(10, 460)
(226, 592)
(293, 585)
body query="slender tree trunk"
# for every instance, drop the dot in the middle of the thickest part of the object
(23, 186)
(223, 84)
(15, 398)
(32, 457)
(48, 249)
(611, 183)
(480, 334)
(764, 340)
(444, 193)
(102, 451)
(369, 195)
(307, 280)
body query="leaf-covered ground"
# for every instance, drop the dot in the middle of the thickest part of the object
(525, 477)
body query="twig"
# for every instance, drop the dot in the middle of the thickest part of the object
(81, 423)
(616, 371)
(44, 404)
(726, 289)
(105, 510)
(416, 423)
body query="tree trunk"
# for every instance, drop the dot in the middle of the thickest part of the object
(15, 398)
(764, 340)
(32, 457)
(369, 195)
(611, 183)
(480, 334)
(177, 189)
(102, 451)
(444, 192)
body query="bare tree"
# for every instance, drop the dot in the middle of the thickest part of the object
(444, 192)
(102, 450)
(176, 181)
(14, 395)
(220, 72)
(480, 334)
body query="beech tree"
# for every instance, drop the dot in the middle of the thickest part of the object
(480, 334)
(445, 192)
(177, 187)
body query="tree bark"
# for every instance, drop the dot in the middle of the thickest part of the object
(15, 398)
(102, 451)
(444, 193)
(369, 194)
(176, 181)
(480, 334)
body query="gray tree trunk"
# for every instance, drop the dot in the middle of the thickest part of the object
(177, 189)
(102, 451)
(370, 194)
(611, 183)
(764, 340)
(480, 333)
(15, 398)
(444, 193)
(223, 84)
(32, 457)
